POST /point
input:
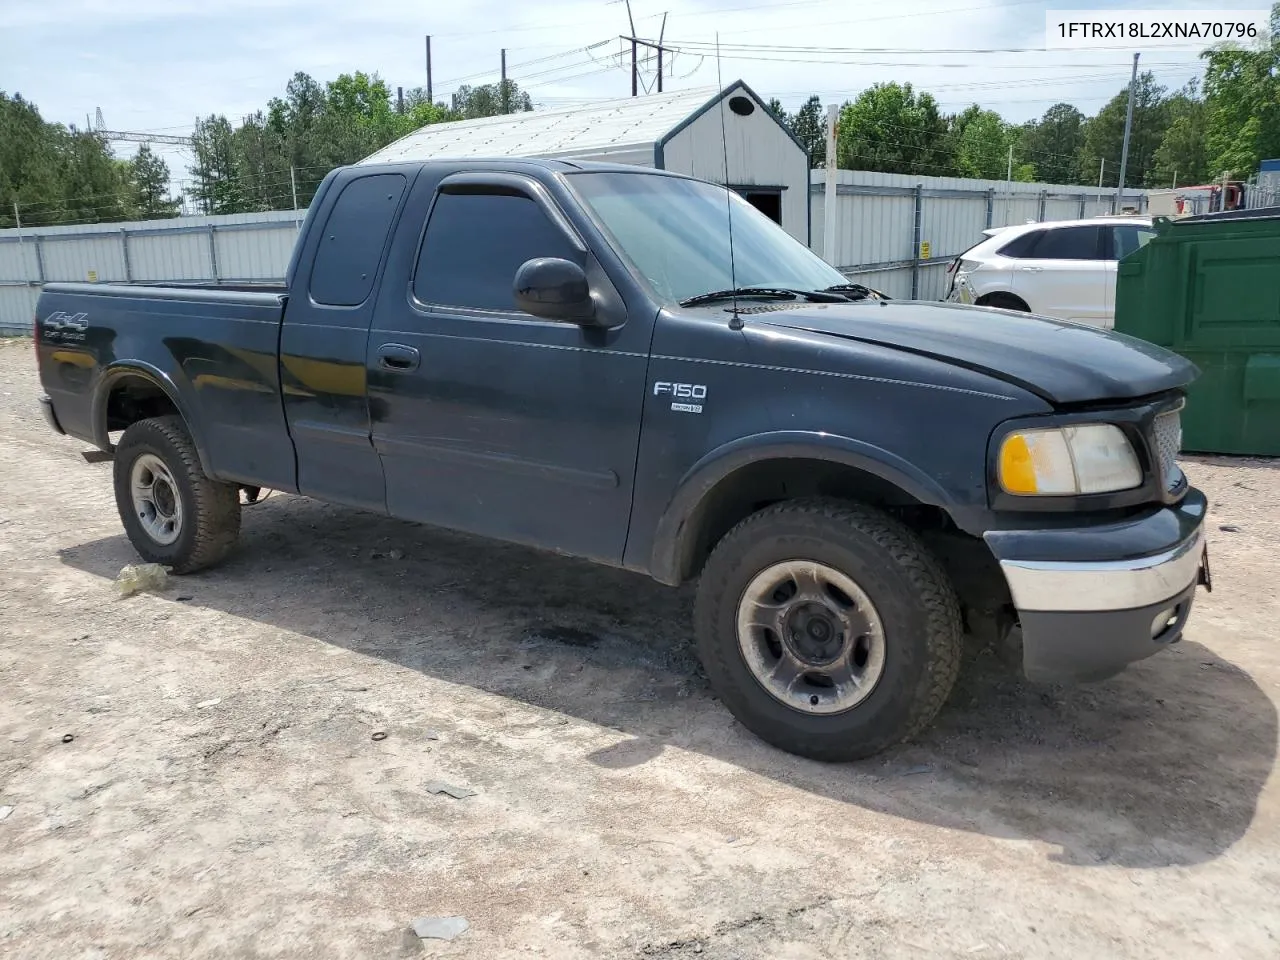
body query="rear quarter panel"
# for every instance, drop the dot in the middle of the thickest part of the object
(214, 353)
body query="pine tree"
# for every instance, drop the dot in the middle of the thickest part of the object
(150, 176)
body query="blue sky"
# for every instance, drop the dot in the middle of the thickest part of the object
(156, 64)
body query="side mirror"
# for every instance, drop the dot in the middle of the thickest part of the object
(554, 289)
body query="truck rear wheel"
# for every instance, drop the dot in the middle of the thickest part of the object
(172, 513)
(828, 629)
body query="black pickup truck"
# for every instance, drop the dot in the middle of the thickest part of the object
(639, 369)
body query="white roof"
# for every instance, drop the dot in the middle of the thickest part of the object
(593, 130)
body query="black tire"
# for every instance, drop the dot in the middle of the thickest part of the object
(1004, 301)
(210, 510)
(913, 597)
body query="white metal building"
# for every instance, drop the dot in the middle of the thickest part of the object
(680, 131)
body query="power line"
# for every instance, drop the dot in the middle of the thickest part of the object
(917, 51)
(524, 63)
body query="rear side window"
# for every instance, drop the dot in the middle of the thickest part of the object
(1020, 247)
(1068, 243)
(1127, 238)
(354, 236)
(475, 243)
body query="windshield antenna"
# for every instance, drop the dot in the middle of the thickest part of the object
(735, 320)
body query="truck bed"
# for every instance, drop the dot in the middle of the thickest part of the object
(212, 349)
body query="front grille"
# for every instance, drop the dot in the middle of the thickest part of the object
(1168, 444)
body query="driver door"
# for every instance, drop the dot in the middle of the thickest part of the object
(486, 418)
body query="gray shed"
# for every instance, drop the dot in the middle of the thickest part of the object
(671, 131)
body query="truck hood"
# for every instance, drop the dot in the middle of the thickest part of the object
(1059, 361)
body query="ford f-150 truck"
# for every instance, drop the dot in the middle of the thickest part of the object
(640, 369)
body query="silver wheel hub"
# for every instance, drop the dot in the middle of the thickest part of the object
(811, 636)
(155, 499)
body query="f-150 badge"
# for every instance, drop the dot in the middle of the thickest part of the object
(682, 392)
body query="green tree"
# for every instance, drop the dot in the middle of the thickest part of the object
(422, 111)
(981, 140)
(150, 177)
(260, 158)
(1242, 95)
(1053, 144)
(490, 100)
(295, 121)
(810, 129)
(1104, 135)
(29, 174)
(56, 174)
(1183, 153)
(891, 128)
(95, 185)
(358, 118)
(217, 186)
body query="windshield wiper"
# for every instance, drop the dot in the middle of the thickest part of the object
(767, 293)
(856, 291)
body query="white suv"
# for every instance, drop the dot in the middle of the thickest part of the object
(1064, 269)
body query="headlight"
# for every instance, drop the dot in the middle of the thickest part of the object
(1067, 461)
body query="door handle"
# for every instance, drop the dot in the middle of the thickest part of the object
(1031, 269)
(398, 357)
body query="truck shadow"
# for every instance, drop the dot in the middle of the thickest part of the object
(1160, 766)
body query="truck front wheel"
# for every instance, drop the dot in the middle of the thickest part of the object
(828, 629)
(172, 513)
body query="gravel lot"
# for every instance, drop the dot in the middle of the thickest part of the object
(223, 794)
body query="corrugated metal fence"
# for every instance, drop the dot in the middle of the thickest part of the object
(896, 233)
(243, 247)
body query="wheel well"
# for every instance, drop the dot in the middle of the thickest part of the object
(1009, 301)
(134, 397)
(758, 485)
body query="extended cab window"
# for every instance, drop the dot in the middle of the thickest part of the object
(1068, 243)
(475, 243)
(351, 245)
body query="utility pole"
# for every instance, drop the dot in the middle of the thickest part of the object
(17, 222)
(429, 99)
(1101, 166)
(1128, 129)
(635, 68)
(830, 189)
(503, 89)
(399, 99)
(661, 34)
(1008, 192)
(636, 43)
(293, 184)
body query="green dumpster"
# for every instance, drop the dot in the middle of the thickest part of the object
(1209, 288)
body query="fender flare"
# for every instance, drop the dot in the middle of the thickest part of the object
(139, 368)
(699, 481)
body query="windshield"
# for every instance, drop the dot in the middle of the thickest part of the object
(675, 232)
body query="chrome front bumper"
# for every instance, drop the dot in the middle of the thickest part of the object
(1105, 584)
(1113, 594)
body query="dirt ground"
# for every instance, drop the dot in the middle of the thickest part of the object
(194, 774)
